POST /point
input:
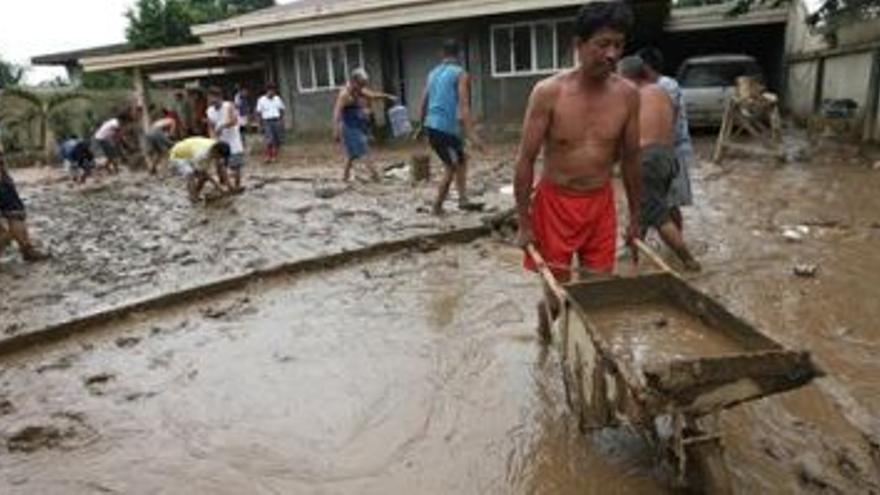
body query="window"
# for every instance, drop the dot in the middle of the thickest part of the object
(529, 48)
(327, 66)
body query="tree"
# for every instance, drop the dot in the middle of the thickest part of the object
(40, 108)
(160, 23)
(118, 79)
(10, 74)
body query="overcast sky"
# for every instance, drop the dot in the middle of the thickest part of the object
(39, 27)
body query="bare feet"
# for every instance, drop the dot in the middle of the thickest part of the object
(33, 255)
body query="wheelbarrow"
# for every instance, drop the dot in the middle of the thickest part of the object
(652, 353)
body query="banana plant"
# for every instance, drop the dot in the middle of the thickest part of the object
(41, 107)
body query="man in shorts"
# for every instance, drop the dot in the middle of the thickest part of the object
(350, 121)
(109, 140)
(585, 119)
(78, 159)
(659, 163)
(223, 125)
(446, 109)
(13, 217)
(192, 158)
(680, 193)
(158, 140)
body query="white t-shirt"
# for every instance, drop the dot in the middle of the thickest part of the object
(108, 130)
(229, 135)
(270, 108)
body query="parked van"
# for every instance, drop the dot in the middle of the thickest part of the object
(707, 82)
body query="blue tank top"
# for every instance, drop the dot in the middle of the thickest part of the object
(443, 98)
(353, 116)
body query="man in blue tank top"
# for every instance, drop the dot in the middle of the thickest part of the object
(446, 116)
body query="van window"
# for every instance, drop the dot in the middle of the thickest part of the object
(717, 74)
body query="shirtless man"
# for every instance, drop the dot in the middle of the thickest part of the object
(585, 119)
(659, 163)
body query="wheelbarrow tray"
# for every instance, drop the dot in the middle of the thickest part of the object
(636, 348)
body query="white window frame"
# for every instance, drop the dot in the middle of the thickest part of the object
(328, 48)
(534, 70)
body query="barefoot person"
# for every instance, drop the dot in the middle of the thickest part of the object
(270, 111)
(78, 159)
(192, 159)
(109, 139)
(350, 121)
(585, 119)
(13, 217)
(158, 140)
(223, 125)
(680, 193)
(659, 164)
(446, 109)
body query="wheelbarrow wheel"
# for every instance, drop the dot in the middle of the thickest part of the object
(707, 471)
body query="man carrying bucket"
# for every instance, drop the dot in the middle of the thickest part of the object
(585, 119)
(350, 121)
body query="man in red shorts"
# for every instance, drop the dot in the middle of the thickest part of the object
(585, 119)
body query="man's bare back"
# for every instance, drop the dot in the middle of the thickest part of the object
(657, 116)
(586, 128)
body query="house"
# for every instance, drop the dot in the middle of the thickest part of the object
(310, 46)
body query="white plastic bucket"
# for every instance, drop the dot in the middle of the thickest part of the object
(398, 116)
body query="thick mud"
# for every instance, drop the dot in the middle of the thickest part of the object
(420, 373)
(654, 333)
(417, 373)
(133, 236)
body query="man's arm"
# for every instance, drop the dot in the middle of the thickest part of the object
(464, 108)
(631, 166)
(378, 95)
(535, 127)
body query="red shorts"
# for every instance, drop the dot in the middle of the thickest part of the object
(566, 222)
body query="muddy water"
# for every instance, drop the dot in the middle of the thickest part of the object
(416, 374)
(419, 374)
(655, 332)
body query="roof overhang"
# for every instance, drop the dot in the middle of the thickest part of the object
(205, 72)
(161, 59)
(358, 16)
(717, 17)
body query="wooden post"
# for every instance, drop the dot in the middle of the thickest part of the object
(141, 97)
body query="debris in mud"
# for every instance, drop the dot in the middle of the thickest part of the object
(12, 328)
(805, 270)
(6, 407)
(427, 245)
(33, 438)
(95, 384)
(876, 165)
(795, 233)
(62, 363)
(68, 431)
(329, 192)
(239, 307)
(134, 396)
(126, 342)
(661, 323)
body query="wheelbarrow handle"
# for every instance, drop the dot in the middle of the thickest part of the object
(652, 255)
(555, 287)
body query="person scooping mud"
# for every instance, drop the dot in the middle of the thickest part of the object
(659, 163)
(12, 212)
(585, 119)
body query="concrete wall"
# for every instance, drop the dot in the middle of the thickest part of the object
(848, 76)
(800, 88)
(312, 112)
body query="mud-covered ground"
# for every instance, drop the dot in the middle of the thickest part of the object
(419, 372)
(133, 236)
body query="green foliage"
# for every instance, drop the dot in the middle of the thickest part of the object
(10, 74)
(106, 80)
(160, 23)
(40, 110)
